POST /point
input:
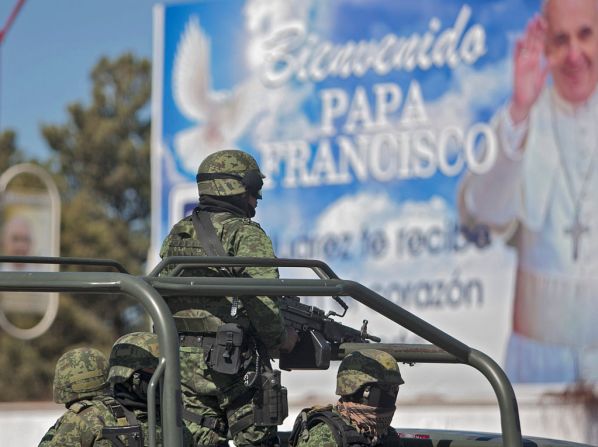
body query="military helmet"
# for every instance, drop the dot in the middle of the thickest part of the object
(80, 374)
(229, 172)
(133, 352)
(369, 366)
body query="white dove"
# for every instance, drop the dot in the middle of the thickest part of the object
(221, 116)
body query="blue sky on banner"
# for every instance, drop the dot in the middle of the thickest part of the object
(395, 232)
(459, 95)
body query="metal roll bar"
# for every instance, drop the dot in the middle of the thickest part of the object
(450, 349)
(155, 306)
(153, 289)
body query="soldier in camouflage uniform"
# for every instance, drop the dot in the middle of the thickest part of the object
(368, 383)
(133, 360)
(219, 405)
(99, 420)
(79, 377)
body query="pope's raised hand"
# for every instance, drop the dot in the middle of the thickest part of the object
(530, 69)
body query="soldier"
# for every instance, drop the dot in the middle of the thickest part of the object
(221, 393)
(80, 376)
(368, 383)
(133, 360)
(119, 420)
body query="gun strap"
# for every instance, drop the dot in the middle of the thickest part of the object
(128, 425)
(131, 433)
(211, 243)
(210, 422)
(206, 233)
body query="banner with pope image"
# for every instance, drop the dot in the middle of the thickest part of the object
(365, 117)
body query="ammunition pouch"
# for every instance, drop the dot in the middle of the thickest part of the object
(270, 405)
(226, 355)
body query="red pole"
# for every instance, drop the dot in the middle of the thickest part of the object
(11, 19)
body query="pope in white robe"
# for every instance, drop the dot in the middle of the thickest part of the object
(542, 192)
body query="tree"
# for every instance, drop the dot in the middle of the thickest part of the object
(103, 156)
(103, 153)
(101, 163)
(10, 154)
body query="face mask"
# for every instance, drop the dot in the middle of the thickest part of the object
(370, 421)
(140, 383)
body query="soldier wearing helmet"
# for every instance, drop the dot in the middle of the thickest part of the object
(119, 419)
(217, 399)
(368, 383)
(80, 376)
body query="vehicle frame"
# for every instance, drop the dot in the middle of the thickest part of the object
(152, 291)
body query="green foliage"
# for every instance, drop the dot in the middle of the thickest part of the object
(27, 367)
(103, 151)
(104, 155)
(101, 164)
(9, 153)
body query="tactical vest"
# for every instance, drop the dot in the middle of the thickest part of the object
(194, 314)
(125, 429)
(344, 434)
(183, 241)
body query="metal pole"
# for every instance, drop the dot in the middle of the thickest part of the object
(152, 302)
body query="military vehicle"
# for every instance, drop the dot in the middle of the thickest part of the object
(326, 338)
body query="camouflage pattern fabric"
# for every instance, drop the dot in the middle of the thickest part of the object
(229, 162)
(204, 391)
(240, 237)
(132, 352)
(220, 396)
(367, 366)
(320, 435)
(82, 425)
(80, 374)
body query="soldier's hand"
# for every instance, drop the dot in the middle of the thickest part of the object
(291, 337)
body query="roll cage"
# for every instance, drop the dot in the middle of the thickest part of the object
(151, 290)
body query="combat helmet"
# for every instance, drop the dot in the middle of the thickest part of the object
(369, 366)
(80, 374)
(133, 352)
(229, 172)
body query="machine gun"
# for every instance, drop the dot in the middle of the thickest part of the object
(319, 335)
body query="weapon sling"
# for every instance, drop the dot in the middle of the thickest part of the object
(206, 233)
(272, 397)
(132, 433)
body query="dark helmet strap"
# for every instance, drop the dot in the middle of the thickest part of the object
(252, 180)
(203, 176)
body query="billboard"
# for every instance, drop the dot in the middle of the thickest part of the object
(368, 119)
(29, 226)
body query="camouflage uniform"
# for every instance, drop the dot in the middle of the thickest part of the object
(84, 422)
(222, 400)
(322, 434)
(328, 426)
(80, 375)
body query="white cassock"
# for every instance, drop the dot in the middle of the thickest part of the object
(546, 170)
